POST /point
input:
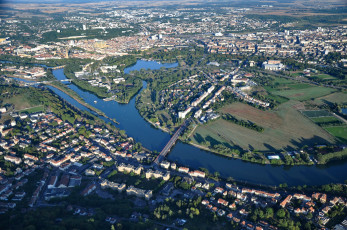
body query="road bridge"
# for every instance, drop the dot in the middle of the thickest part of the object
(171, 142)
(58, 67)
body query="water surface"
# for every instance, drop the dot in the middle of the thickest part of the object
(155, 139)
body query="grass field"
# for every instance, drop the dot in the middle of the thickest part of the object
(298, 86)
(339, 132)
(303, 93)
(324, 119)
(287, 86)
(281, 80)
(338, 97)
(323, 77)
(297, 74)
(285, 128)
(35, 109)
(331, 124)
(316, 113)
(313, 75)
(20, 102)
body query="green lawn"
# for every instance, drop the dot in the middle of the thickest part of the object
(324, 119)
(338, 97)
(324, 76)
(297, 74)
(340, 132)
(277, 98)
(298, 86)
(39, 108)
(303, 93)
(281, 80)
(286, 86)
(317, 113)
(19, 101)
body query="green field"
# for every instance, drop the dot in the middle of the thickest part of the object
(338, 97)
(285, 85)
(281, 80)
(20, 102)
(283, 128)
(323, 77)
(316, 113)
(339, 132)
(297, 74)
(320, 76)
(298, 86)
(35, 109)
(325, 119)
(302, 93)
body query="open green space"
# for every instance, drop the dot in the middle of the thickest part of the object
(340, 132)
(325, 119)
(281, 80)
(323, 77)
(19, 101)
(35, 109)
(282, 85)
(298, 86)
(338, 97)
(285, 128)
(298, 74)
(302, 93)
(316, 113)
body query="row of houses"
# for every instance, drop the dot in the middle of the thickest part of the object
(194, 173)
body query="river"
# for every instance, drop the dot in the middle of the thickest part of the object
(154, 139)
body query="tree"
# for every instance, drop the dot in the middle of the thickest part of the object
(269, 213)
(281, 213)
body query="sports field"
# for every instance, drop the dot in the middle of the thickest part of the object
(284, 129)
(338, 131)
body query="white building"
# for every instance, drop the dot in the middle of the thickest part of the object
(273, 65)
(183, 114)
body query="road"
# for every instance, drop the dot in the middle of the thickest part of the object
(339, 117)
(171, 142)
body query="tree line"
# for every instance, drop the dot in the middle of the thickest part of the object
(247, 124)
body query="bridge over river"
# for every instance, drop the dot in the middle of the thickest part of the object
(171, 142)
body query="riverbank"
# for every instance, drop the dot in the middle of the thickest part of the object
(154, 138)
(73, 95)
(258, 157)
(79, 100)
(157, 126)
(324, 160)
